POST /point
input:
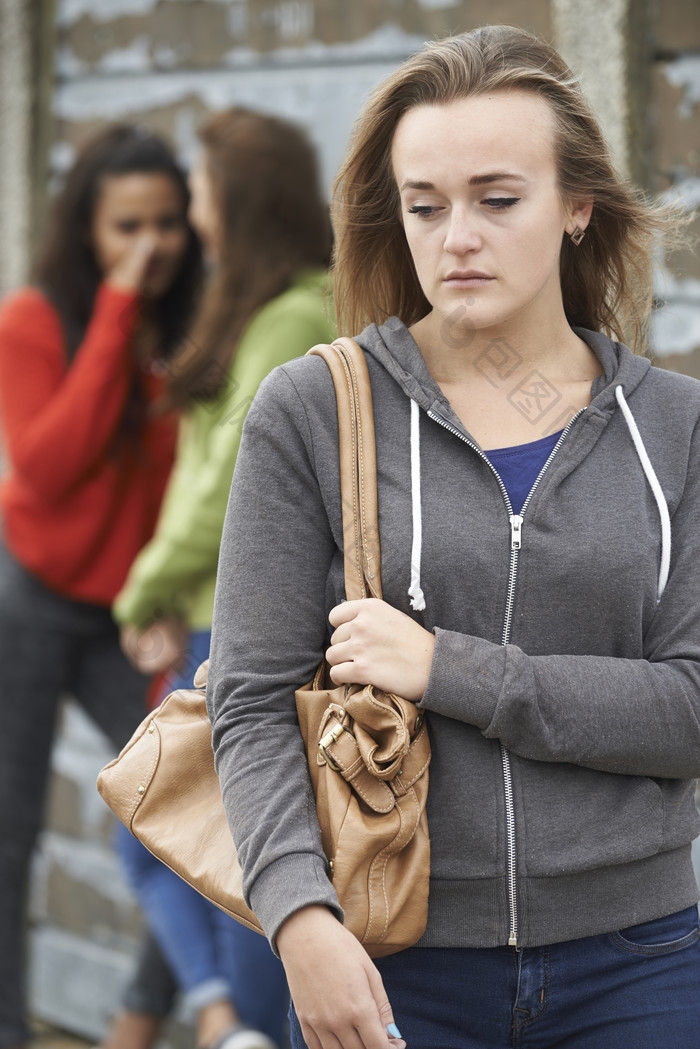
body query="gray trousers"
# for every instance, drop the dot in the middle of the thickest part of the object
(51, 646)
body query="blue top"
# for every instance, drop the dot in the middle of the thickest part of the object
(519, 467)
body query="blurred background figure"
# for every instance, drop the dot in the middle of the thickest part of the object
(82, 354)
(258, 207)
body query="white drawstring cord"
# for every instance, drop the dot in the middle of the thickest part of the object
(414, 590)
(656, 489)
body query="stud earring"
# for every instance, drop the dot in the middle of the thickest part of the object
(577, 236)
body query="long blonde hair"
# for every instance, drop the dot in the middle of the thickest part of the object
(606, 281)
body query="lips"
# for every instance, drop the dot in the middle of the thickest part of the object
(467, 275)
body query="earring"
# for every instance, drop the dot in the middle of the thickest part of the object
(577, 236)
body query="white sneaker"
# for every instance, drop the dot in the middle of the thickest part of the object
(242, 1037)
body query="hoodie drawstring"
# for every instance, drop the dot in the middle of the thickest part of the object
(656, 489)
(414, 591)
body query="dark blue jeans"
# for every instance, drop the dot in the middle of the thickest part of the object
(634, 989)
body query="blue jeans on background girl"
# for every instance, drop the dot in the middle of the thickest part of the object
(212, 956)
(634, 989)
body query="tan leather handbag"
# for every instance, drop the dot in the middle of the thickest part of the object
(368, 751)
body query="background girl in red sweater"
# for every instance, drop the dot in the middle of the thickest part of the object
(82, 359)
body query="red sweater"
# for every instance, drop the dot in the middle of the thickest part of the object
(79, 499)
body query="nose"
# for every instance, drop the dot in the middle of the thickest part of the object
(162, 240)
(462, 235)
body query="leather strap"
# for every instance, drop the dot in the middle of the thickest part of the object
(358, 487)
(358, 467)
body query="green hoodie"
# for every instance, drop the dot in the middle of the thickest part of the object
(175, 572)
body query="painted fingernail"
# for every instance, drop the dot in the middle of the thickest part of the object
(393, 1031)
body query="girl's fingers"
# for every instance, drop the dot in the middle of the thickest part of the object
(345, 674)
(312, 1041)
(343, 633)
(339, 653)
(343, 612)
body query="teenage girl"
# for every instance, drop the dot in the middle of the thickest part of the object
(539, 492)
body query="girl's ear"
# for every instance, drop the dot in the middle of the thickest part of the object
(578, 214)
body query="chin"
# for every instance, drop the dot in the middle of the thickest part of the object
(461, 321)
(157, 289)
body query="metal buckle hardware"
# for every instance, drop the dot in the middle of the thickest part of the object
(332, 737)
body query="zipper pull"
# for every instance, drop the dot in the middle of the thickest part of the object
(516, 526)
(513, 942)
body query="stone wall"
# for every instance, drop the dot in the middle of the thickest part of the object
(168, 63)
(675, 173)
(15, 125)
(85, 924)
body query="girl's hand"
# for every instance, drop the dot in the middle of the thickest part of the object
(157, 648)
(375, 644)
(129, 273)
(337, 992)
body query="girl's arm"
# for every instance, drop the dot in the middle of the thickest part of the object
(184, 550)
(58, 422)
(268, 636)
(352, 1008)
(270, 629)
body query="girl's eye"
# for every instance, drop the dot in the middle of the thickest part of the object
(127, 226)
(501, 203)
(424, 210)
(168, 222)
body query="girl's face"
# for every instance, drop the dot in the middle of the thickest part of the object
(134, 205)
(203, 213)
(482, 211)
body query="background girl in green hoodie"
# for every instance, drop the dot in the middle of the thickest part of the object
(260, 213)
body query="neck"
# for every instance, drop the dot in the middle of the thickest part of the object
(454, 354)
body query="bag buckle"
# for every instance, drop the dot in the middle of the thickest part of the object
(332, 737)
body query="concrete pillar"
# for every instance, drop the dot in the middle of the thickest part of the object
(595, 38)
(15, 140)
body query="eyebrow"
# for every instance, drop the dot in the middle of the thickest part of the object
(475, 180)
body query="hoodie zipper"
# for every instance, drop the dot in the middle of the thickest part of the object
(516, 527)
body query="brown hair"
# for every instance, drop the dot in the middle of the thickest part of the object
(606, 280)
(274, 222)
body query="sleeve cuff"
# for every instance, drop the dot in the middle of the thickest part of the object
(466, 678)
(119, 303)
(150, 592)
(130, 609)
(285, 886)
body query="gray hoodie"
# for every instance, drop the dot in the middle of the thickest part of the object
(564, 696)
